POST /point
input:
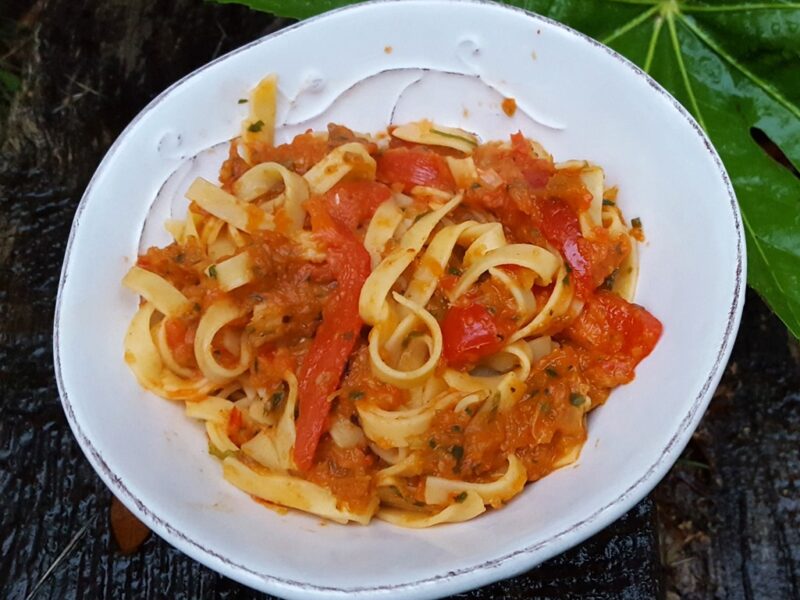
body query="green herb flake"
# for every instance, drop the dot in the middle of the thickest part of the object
(636, 223)
(454, 271)
(255, 127)
(432, 443)
(456, 429)
(220, 454)
(212, 271)
(577, 399)
(242, 100)
(461, 497)
(565, 280)
(551, 372)
(608, 283)
(356, 394)
(276, 398)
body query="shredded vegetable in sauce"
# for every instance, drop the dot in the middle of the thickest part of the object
(408, 326)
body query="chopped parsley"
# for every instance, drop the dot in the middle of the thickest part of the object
(356, 394)
(276, 399)
(256, 127)
(220, 454)
(454, 271)
(609, 202)
(461, 497)
(636, 223)
(242, 100)
(432, 443)
(608, 283)
(212, 271)
(551, 372)
(456, 429)
(577, 399)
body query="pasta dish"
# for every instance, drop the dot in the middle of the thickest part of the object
(409, 325)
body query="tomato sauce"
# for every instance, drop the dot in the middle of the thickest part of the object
(303, 318)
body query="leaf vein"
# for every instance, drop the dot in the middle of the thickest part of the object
(632, 24)
(673, 34)
(757, 81)
(651, 47)
(760, 248)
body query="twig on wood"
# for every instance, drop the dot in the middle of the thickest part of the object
(60, 558)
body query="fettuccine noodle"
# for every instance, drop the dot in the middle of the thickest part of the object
(408, 326)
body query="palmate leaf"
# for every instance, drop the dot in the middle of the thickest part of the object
(735, 65)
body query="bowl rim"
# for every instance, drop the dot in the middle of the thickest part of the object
(493, 569)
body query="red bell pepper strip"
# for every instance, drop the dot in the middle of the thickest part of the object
(336, 336)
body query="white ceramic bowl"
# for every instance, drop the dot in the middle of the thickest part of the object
(363, 66)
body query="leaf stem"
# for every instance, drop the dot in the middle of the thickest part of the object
(673, 34)
(651, 48)
(632, 24)
(60, 558)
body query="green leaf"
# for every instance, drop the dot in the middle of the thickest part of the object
(296, 9)
(734, 65)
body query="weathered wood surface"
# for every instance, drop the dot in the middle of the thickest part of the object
(90, 69)
(729, 510)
